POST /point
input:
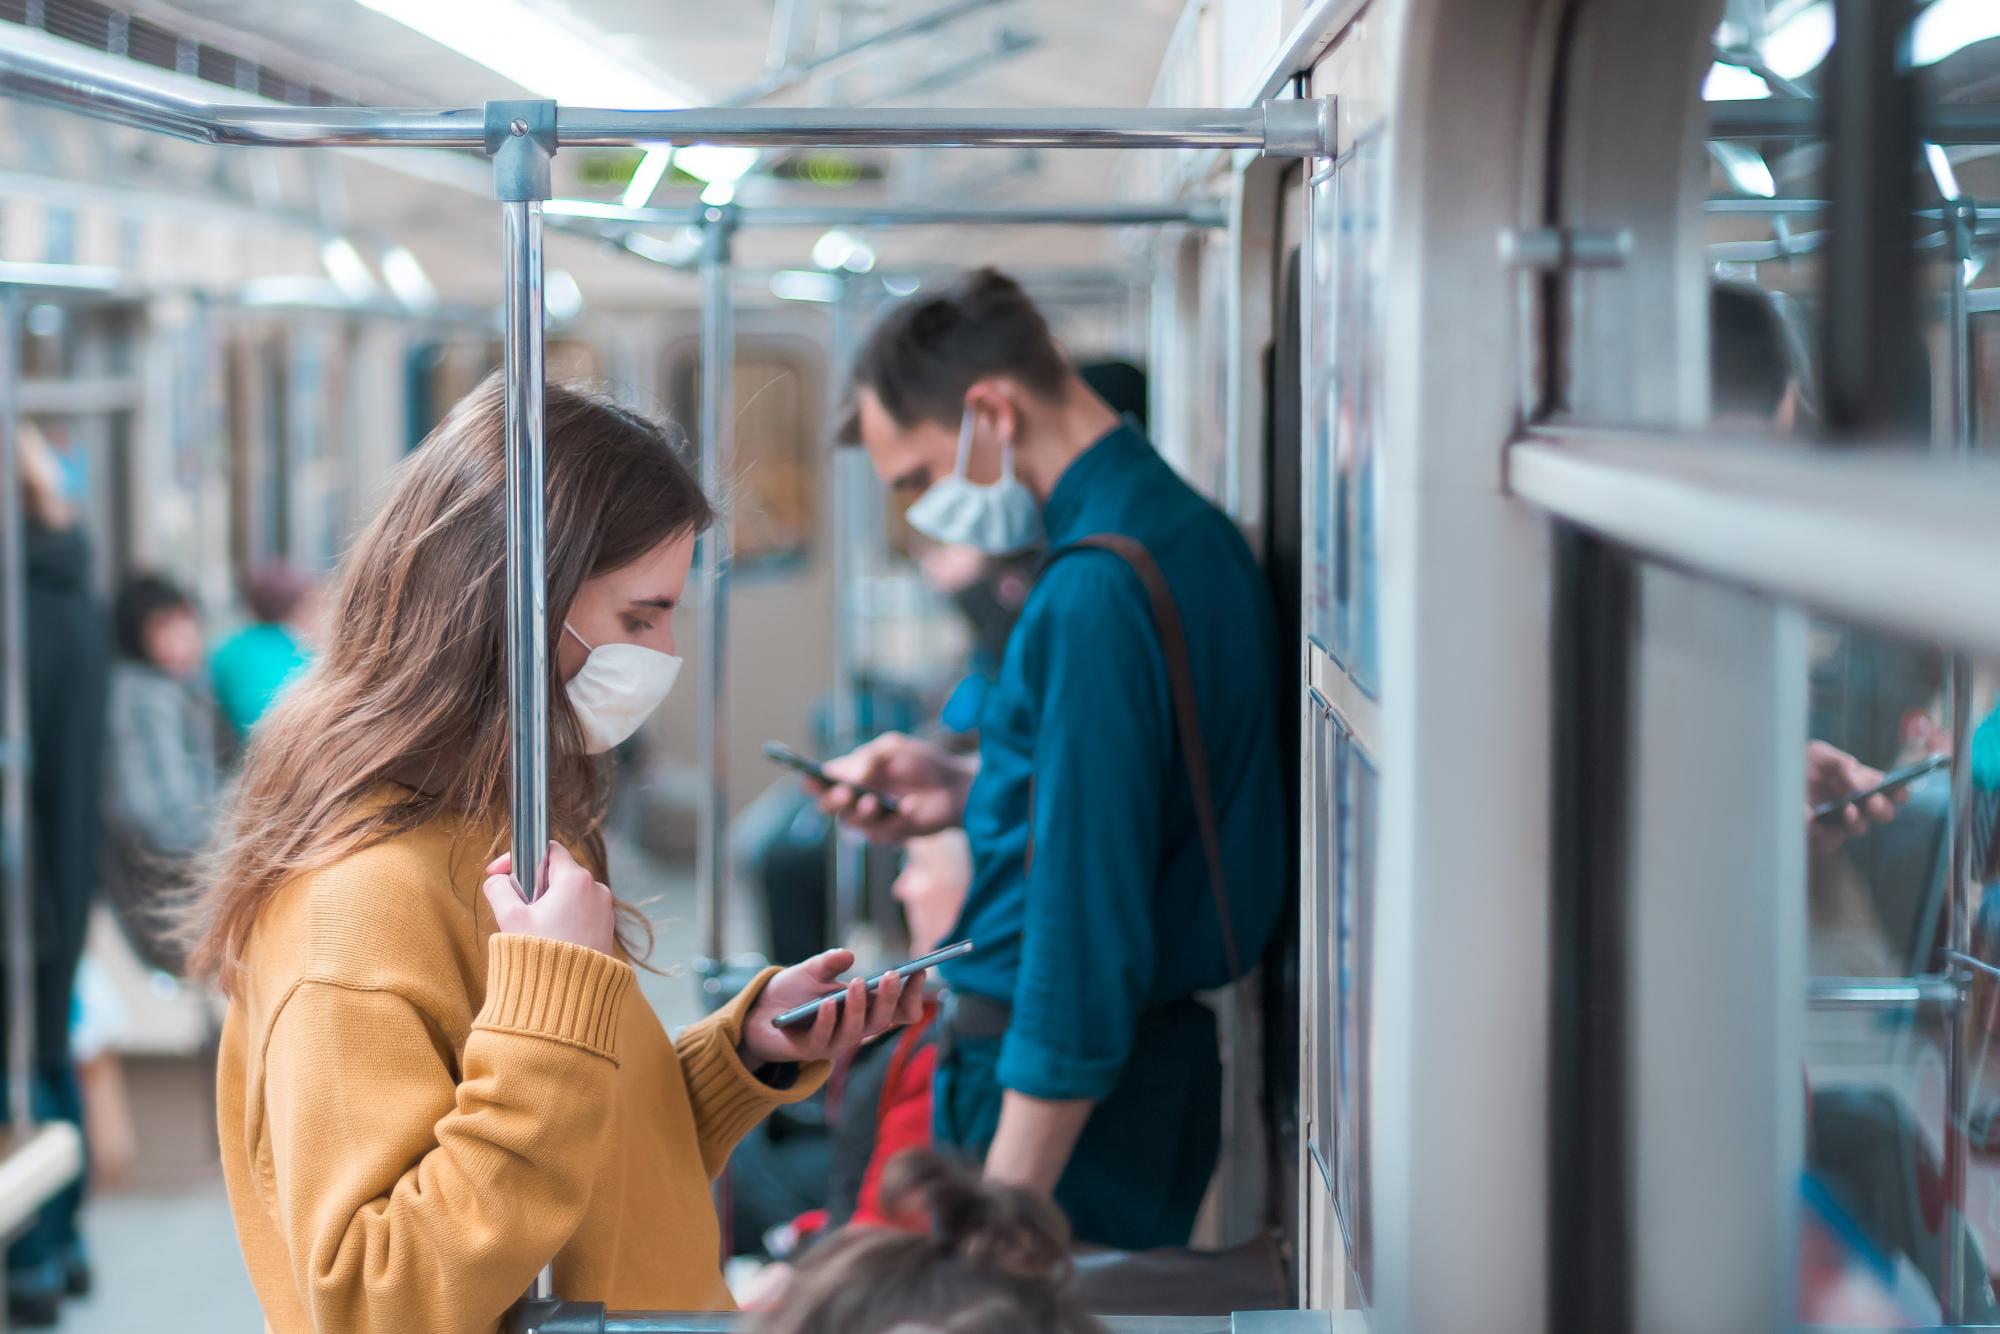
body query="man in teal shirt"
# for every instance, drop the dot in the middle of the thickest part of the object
(1079, 1061)
(258, 661)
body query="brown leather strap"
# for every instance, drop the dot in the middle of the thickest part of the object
(1187, 716)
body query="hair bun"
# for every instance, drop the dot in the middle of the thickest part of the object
(998, 1227)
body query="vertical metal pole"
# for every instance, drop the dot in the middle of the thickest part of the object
(521, 138)
(527, 575)
(1958, 907)
(718, 420)
(1870, 329)
(14, 866)
(849, 854)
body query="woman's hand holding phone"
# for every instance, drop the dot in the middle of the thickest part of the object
(574, 906)
(928, 782)
(840, 1028)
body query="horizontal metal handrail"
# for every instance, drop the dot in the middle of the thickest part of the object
(1200, 213)
(1880, 993)
(1891, 535)
(1289, 127)
(1805, 118)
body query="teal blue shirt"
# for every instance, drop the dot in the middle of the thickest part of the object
(1116, 916)
(249, 670)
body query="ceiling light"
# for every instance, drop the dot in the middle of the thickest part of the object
(646, 178)
(715, 162)
(29, 273)
(407, 279)
(1732, 83)
(1949, 26)
(549, 54)
(562, 299)
(677, 252)
(718, 193)
(804, 285)
(901, 286)
(842, 251)
(1796, 47)
(1746, 169)
(347, 269)
(1941, 172)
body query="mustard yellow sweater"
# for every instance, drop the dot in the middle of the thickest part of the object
(417, 1112)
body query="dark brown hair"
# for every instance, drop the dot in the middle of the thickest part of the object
(980, 1259)
(271, 593)
(927, 351)
(412, 686)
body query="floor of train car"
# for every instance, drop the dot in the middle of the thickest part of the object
(175, 1250)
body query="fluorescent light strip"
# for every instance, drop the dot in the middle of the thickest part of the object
(1947, 27)
(83, 277)
(563, 58)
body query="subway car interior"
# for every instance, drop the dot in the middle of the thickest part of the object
(1491, 824)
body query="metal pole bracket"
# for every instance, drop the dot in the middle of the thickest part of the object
(521, 139)
(1300, 127)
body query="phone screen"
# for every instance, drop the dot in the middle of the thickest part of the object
(802, 1014)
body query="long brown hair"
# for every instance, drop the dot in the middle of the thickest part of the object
(972, 1257)
(412, 684)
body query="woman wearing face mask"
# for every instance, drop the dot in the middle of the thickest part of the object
(428, 1088)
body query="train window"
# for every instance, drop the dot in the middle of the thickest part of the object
(1901, 1095)
(1354, 919)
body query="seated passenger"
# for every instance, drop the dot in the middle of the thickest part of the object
(968, 1259)
(429, 1089)
(161, 784)
(1079, 1060)
(262, 658)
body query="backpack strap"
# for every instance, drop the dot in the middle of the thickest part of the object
(1187, 716)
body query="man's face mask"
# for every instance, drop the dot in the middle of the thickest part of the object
(999, 519)
(617, 688)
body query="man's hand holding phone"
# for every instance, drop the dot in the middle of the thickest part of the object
(1831, 775)
(928, 782)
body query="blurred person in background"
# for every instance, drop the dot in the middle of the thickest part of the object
(966, 1257)
(67, 658)
(251, 666)
(1079, 1060)
(162, 783)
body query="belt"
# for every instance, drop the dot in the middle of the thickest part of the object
(966, 1015)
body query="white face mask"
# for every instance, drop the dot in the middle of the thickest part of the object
(999, 519)
(617, 688)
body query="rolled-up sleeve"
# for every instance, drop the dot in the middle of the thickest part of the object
(1103, 757)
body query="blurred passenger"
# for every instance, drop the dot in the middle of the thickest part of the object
(1869, 1164)
(967, 1258)
(67, 659)
(428, 1087)
(162, 785)
(1751, 383)
(1079, 1060)
(254, 664)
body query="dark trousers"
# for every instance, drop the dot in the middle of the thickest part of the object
(54, 1093)
(1145, 1157)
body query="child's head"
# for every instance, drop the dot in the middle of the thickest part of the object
(980, 1259)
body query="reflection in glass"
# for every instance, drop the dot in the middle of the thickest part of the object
(1356, 912)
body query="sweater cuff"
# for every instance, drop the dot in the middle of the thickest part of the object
(729, 1097)
(553, 989)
